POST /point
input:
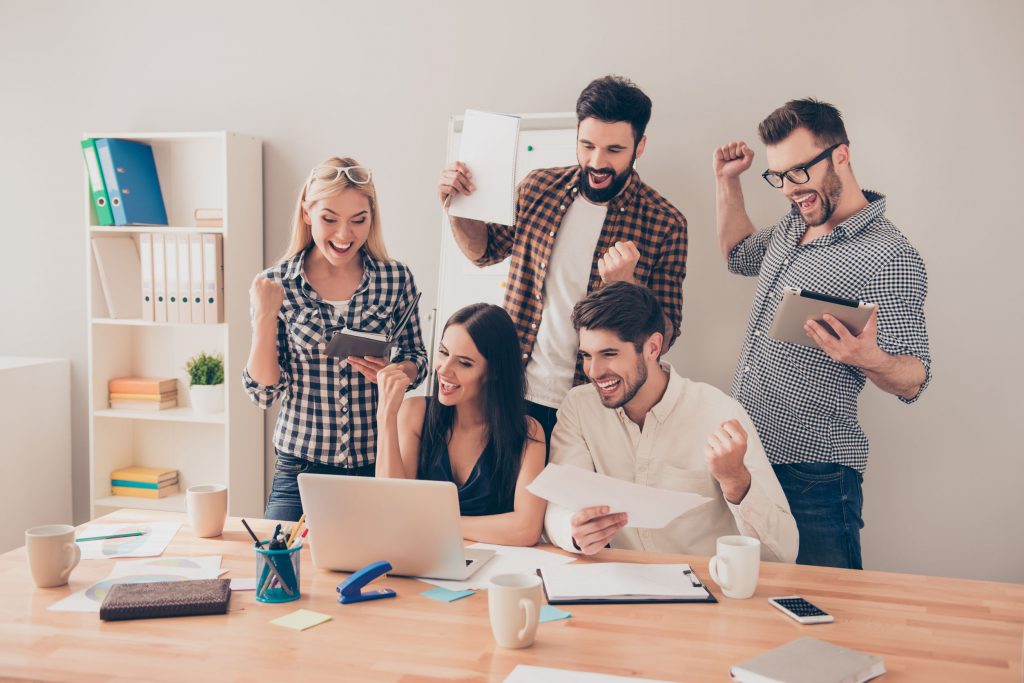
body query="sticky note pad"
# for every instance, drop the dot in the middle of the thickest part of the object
(549, 613)
(445, 595)
(301, 619)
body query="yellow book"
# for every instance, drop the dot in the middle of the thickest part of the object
(169, 396)
(143, 493)
(149, 475)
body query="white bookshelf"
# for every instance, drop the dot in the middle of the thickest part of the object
(196, 170)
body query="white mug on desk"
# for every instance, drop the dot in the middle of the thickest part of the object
(514, 602)
(52, 554)
(207, 509)
(736, 565)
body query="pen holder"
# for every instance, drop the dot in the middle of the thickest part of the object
(277, 574)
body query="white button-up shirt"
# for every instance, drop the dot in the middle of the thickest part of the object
(668, 453)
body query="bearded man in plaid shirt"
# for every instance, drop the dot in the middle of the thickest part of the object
(576, 229)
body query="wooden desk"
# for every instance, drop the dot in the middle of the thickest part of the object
(927, 629)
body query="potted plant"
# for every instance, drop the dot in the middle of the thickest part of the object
(206, 383)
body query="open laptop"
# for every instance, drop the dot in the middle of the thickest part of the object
(414, 525)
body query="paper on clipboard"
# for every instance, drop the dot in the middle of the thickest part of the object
(576, 488)
(488, 148)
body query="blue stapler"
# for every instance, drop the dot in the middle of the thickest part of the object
(351, 589)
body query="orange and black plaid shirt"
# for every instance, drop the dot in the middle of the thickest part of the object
(638, 213)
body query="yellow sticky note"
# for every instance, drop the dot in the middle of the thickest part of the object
(301, 619)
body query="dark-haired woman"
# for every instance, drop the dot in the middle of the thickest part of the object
(473, 431)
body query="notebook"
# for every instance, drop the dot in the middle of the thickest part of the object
(344, 342)
(809, 660)
(622, 582)
(166, 599)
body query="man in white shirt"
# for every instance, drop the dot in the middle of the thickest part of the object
(639, 421)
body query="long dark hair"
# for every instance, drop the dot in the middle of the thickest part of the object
(504, 405)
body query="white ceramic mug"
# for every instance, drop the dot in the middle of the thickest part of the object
(514, 602)
(736, 566)
(207, 509)
(52, 554)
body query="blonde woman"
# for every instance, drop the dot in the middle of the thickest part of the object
(336, 273)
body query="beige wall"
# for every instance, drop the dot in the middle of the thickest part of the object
(931, 92)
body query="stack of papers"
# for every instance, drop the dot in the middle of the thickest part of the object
(621, 581)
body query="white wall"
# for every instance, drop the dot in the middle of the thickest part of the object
(930, 90)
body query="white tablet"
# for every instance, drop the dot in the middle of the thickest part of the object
(800, 305)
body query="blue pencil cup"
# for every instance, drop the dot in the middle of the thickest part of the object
(277, 574)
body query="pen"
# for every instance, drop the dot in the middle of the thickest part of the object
(103, 538)
(255, 539)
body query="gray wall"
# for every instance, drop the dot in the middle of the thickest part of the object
(930, 90)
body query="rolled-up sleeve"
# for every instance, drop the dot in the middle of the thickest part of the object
(500, 238)
(747, 256)
(410, 339)
(264, 395)
(900, 289)
(764, 512)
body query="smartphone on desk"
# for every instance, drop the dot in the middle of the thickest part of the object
(801, 610)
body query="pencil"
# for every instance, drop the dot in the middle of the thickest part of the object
(103, 538)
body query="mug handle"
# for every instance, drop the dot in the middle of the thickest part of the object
(77, 553)
(530, 608)
(718, 567)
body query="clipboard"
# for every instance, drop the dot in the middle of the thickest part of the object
(631, 600)
(800, 305)
(345, 342)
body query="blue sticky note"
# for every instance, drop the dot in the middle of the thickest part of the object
(549, 613)
(445, 595)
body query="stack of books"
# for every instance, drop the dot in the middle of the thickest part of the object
(143, 393)
(144, 482)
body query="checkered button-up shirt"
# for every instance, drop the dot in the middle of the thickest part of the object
(329, 410)
(638, 213)
(803, 403)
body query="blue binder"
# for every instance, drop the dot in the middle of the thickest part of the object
(132, 183)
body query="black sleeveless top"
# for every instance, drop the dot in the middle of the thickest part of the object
(477, 497)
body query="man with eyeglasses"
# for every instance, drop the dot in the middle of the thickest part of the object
(837, 241)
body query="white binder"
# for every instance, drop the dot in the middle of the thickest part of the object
(159, 279)
(117, 263)
(171, 278)
(195, 248)
(213, 279)
(184, 288)
(146, 274)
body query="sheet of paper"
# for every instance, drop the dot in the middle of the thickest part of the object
(615, 579)
(89, 599)
(301, 619)
(576, 488)
(488, 148)
(243, 584)
(542, 674)
(154, 540)
(210, 563)
(445, 595)
(506, 560)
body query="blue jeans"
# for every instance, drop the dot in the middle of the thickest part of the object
(284, 503)
(826, 501)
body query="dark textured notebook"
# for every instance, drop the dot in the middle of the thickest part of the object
(166, 599)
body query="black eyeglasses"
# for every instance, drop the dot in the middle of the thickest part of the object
(798, 175)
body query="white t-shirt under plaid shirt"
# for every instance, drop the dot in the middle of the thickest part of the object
(329, 410)
(803, 403)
